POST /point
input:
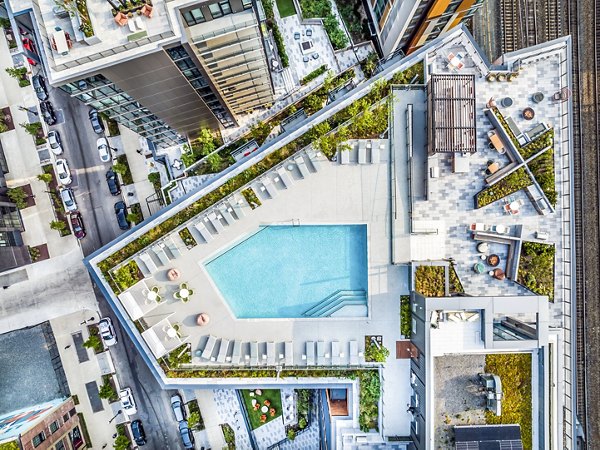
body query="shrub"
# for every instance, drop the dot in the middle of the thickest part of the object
(4, 23)
(405, 316)
(122, 442)
(508, 185)
(280, 45)
(58, 225)
(94, 342)
(18, 73)
(229, 435)
(214, 162)
(127, 275)
(187, 238)
(32, 128)
(122, 167)
(193, 419)
(314, 74)
(430, 281)
(119, 168)
(154, 178)
(18, 196)
(251, 198)
(536, 268)
(45, 177)
(375, 353)
(106, 391)
(34, 253)
(291, 435)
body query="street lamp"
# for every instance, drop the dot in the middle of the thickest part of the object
(34, 112)
(91, 319)
(115, 416)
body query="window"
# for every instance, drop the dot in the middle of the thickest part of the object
(220, 9)
(225, 7)
(60, 445)
(247, 4)
(414, 326)
(65, 417)
(38, 439)
(193, 17)
(54, 426)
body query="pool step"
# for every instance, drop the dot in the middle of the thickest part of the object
(336, 301)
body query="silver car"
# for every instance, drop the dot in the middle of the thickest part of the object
(63, 172)
(68, 199)
(127, 401)
(55, 142)
(107, 331)
(103, 149)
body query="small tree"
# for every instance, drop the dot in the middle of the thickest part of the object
(45, 177)
(134, 217)
(120, 168)
(106, 390)
(121, 442)
(58, 225)
(18, 196)
(214, 161)
(193, 419)
(93, 341)
(18, 73)
(32, 128)
(291, 434)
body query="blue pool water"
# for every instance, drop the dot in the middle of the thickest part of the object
(282, 271)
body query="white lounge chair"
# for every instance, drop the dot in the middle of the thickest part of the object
(172, 246)
(159, 251)
(376, 154)
(335, 353)
(142, 266)
(209, 347)
(322, 357)
(223, 350)
(148, 261)
(310, 353)
(178, 242)
(314, 160)
(226, 214)
(238, 207)
(254, 353)
(267, 185)
(344, 156)
(214, 219)
(353, 353)
(286, 179)
(362, 152)
(203, 232)
(236, 354)
(270, 353)
(289, 354)
(302, 166)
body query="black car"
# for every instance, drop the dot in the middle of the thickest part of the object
(139, 436)
(121, 213)
(186, 435)
(48, 113)
(96, 122)
(113, 183)
(77, 225)
(39, 86)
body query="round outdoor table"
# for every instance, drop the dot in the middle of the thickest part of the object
(172, 332)
(478, 268)
(482, 247)
(184, 293)
(528, 113)
(506, 102)
(173, 274)
(499, 274)
(500, 229)
(264, 409)
(152, 295)
(537, 97)
(202, 320)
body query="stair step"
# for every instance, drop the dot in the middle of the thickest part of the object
(332, 298)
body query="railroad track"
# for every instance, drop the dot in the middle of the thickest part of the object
(509, 25)
(529, 18)
(553, 28)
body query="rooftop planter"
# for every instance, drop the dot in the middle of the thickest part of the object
(6, 120)
(127, 275)
(508, 185)
(430, 281)
(322, 9)
(277, 37)
(536, 268)
(84, 17)
(314, 74)
(542, 168)
(405, 316)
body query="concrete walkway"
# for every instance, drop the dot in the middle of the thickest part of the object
(211, 417)
(80, 373)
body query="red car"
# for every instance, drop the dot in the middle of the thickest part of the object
(77, 225)
(29, 45)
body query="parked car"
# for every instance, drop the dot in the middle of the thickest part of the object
(113, 183)
(127, 401)
(186, 435)
(29, 45)
(139, 436)
(39, 86)
(48, 113)
(55, 142)
(103, 149)
(63, 172)
(96, 122)
(77, 225)
(107, 331)
(121, 213)
(177, 406)
(68, 199)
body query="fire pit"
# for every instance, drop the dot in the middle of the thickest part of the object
(528, 113)
(493, 260)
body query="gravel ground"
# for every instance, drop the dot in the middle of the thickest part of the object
(458, 398)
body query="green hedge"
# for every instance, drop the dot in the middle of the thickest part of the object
(314, 74)
(405, 316)
(536, 268)
(430, 281)
(542, 169)
(322, 9)
(508, 185)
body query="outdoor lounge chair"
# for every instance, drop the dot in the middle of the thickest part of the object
(344, 156)
(313, 157)
(289, 354)
(226, 214)
(310, 353)
(268, 186)
(236, 354)
(302, 166)
(209, 347)
(214, 220)
(270, 353)
(253, 353)
(142, 266)
(203, 232)
(362, 152)
(148, 261)
(172, 246)
(321, 355)
(376, 153)
(159, 251)
(238, 207)
(335, 353)
(286, 179)
(353, 353)
(223, 350)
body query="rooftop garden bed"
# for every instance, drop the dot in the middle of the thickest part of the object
(545, 140)
(355, 19)
(256, 401)
(375, 352)
(536, 268)
(229, 436)
(314, 74)
(277, 37)
(303, 407)
(514, 370)
(322, 9)
(94, 341)
(126, 276)
(508, 185)
(370, 124)
(430, 281)
(181, 355)
(369, 64)
(456, 286)
(286, 8)
(122, 168)
(195, 421)
(187, 238)
(405, 316)
(204, 144)
(108, 390)
(84, 16)
(251, 198)
(542, 168)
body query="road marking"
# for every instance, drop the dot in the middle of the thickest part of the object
(91, 169)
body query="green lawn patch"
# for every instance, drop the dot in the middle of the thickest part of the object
(514, 370)
(271, 398)
(536, 268)
(430, 281)
(286, 8)
(508, 185)
(322, 9)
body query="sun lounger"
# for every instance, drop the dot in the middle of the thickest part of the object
(238, 208)
(172, 246)
(236, 354)
(223, 350)
(209, 347)
(270, 353)
(321, 355)
(335, 353)
(302, 166)
(254, 353)
(376, 153)
(176, 238)
(267, 186)
(214, 220)
(142, 266)
(362, 152)
(344, 156)
(148, 261)
(289, 354)
(203, 232)
(286, 179)
(313, 157)
(310, 353)
(353, 353)
(226, 214)
(159, 251)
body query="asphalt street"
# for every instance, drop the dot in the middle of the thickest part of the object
(96, 205)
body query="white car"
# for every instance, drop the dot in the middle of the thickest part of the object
(55, 142)
(68, 199)
(103, 149)
(107, 331)
(127, 401)
(63, 172)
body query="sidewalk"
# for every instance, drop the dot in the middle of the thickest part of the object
(80, 373)
(211, 417)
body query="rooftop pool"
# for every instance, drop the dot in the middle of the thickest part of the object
(290, 271)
